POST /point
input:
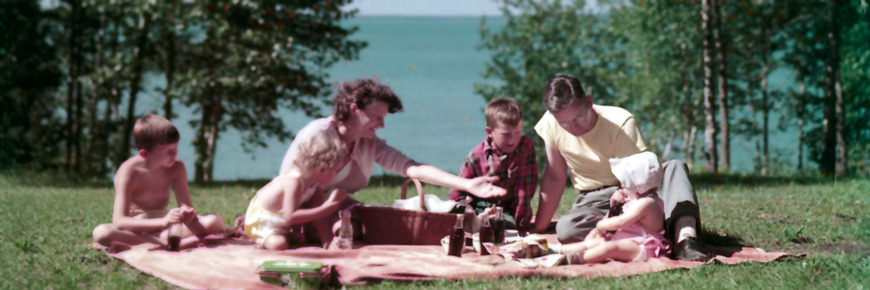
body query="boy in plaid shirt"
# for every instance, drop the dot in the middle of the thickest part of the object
(508, 154)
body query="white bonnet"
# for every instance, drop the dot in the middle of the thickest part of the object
(639, 172)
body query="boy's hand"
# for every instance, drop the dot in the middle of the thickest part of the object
(188, 214)
(482, 187)
(337, 196)
(172, 217)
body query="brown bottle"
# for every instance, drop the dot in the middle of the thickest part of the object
(173, 240)
(498, 226)
(457, 238)
(485, 236)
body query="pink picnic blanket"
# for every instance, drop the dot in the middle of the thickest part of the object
(233, 263)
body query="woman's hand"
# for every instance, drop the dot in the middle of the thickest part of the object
(482, 187)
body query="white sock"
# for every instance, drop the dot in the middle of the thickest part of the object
(686, 226)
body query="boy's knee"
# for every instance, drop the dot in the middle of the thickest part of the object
(212, 223)
(102, 234)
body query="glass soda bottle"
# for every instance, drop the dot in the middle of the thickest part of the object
(498, 226)
(457, 238)
(173, 240)
(485, 236)
(345, 231)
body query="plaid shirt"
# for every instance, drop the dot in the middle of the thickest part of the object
(517, 172)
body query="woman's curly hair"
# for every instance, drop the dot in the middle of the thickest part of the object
(362, 92)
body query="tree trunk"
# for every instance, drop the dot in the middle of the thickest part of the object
(78, 160)
(72, 80)
(113, 100)
(688, 114)
(842, 148)
(94, 155)
(135, 83)
(206, 142)
(668, 146)
(693, 134)
(842, 167)
(170, 72)
(709, 112)
(765, 101)
(800, 125)
(753, 129)
(829, 123)
(724, 127)
(765, 117)
(755, 139)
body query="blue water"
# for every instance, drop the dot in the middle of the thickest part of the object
(431, 63)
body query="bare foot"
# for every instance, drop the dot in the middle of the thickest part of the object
(238, 229)
(117, 247)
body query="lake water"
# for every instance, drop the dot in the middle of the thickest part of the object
(431, 63)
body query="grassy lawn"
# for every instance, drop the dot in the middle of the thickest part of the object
(46, 221)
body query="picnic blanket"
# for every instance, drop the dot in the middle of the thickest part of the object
(232, 264)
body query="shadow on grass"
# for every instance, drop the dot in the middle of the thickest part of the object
(708, 180)
(34, 177)
(720, 239)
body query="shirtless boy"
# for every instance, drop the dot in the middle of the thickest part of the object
(142, 186)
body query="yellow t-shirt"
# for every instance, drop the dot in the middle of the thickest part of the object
(615, 135)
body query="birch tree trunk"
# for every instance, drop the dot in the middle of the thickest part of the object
(206, 143)
(800, 122)
(842, 166)
(829, 123)
(724, 126)
(765, 116)
(709, 112)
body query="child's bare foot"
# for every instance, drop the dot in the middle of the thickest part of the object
(117, 247)
(238, 229)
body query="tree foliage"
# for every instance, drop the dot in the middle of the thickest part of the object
(29, 77)
(647, 56)
(235, 63)
(542, 39)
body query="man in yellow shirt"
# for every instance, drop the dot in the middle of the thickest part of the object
(580, 139)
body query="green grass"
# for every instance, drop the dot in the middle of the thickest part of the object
(46, 221)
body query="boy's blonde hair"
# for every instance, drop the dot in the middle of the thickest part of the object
(323, 150)
(503, 110)
(153, 130)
